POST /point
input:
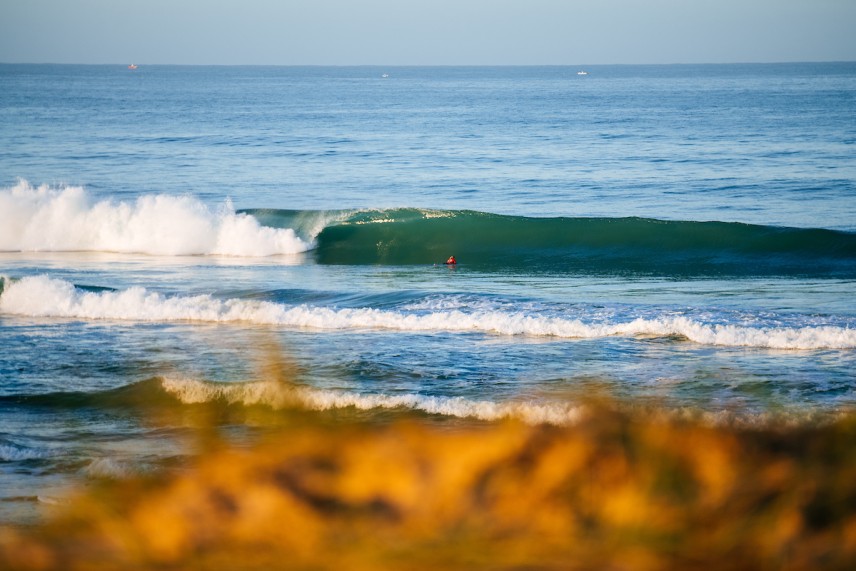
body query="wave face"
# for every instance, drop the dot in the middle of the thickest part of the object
(42, 296)
(637, 245)
(68, 219)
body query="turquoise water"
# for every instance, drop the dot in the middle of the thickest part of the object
(679, 236)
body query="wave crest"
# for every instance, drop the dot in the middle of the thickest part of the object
(279, 395)
(42, 296)
(68, 219)
(13, 452)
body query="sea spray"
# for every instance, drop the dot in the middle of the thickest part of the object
(68, 219)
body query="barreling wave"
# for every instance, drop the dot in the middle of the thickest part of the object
(42, 296)
(68, 219)
(636, 245)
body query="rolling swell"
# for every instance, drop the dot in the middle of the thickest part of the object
(598, 245)
(143, 393)
(163, 392)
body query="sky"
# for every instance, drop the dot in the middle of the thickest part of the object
(426, 32)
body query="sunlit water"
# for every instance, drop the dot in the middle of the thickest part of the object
(107, 351)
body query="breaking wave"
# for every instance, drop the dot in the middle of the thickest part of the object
(280, 396)
(42, 296)
(68, 219)
(160, 392)
(168, 391)
(13, 452)
(600, 245)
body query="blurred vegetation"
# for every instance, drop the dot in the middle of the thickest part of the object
(622, 488)
(615, 491)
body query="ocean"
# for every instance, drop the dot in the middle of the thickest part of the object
(679, 237)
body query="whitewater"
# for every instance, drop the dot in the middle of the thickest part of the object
(68, 219)
(41, 296)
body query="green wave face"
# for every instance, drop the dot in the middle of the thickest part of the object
(611, 245)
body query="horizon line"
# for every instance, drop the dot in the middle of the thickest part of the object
(401, 65)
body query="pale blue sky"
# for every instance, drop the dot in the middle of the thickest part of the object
(426, 32)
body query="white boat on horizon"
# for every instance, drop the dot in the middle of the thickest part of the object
(581, 72)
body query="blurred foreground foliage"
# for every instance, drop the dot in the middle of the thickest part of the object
(615, 491)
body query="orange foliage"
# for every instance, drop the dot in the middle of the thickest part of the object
(615, 491)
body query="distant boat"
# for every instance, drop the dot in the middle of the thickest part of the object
(385, 75)
(132, 66)
(582, 73)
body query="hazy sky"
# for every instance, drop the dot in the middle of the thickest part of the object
(425, 32)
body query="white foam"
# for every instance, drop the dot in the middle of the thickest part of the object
(14, 453)
(108, 468)
(68, 219)
(42, 296)
(50, 500)
(280, 395)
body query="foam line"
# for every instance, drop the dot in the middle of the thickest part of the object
(42, 296)
(279, 396)
(68, 219)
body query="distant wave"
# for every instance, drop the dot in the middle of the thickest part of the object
(43, 296)
(68, 219)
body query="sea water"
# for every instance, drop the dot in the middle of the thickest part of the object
(679, 237)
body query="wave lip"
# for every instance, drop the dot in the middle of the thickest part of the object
(67, 219)
(42, 296)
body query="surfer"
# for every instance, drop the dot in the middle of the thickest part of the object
(451, 261)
